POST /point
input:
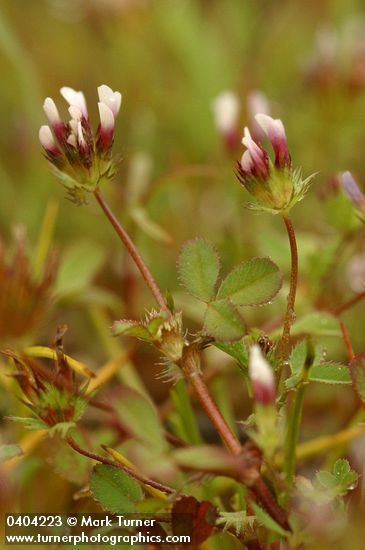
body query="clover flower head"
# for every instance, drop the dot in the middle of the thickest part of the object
(81, 159)
(273, 183)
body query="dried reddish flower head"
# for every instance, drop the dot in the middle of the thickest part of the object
(54, 395)
(273, 183)
(81, 159)
(24, 298)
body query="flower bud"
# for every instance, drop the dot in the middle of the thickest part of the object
(106, 130)
(262, 377)
(274, 185)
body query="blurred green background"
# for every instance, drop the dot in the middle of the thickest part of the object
(170, 59)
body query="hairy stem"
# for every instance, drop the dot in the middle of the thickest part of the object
(190, 365)
(284, 346)
(132, 250)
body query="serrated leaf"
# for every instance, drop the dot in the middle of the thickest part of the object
(265, 520)
(327, 372)
(125, 327)
(318, 323)
(198, 267)
(9, 451)
(251, 283)
(330, 373)
(340, 480)
(357, 369)
(297, 357)
(140, 418)
(223, 322)
(115, 490)
(343, 472)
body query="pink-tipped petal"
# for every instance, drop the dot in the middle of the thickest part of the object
(75, 99)
(112, 99)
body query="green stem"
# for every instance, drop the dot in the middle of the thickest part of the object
(292, 439)
(295, 417)
(132, 250)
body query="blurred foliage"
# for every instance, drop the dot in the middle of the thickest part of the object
(176, 182)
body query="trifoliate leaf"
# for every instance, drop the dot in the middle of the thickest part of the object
(198, 267)
(223, 322)
(251, 283)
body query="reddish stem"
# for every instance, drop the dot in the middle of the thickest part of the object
(107, 462)
(347, 305)
(132, 250)
(346, 339)
(284, 346)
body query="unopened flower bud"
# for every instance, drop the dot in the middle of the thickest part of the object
(106, 131)
(274, 185)
(262, 377)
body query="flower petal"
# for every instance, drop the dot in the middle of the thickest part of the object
(112, 99)
(74, 98)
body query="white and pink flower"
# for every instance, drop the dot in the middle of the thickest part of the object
(82, 158)
(262, 377)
